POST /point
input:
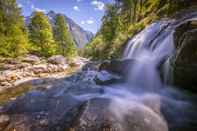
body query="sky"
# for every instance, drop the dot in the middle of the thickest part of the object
(86, 13)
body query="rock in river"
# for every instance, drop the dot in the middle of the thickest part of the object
(57, 59)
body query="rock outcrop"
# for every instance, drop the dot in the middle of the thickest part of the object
(185, 61)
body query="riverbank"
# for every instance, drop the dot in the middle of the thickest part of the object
(14, 72)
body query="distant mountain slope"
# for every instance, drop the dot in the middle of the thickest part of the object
(80, 36)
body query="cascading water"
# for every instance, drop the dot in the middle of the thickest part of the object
(144, 88)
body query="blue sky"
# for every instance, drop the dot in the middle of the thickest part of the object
(86, 13)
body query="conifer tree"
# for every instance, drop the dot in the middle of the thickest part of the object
(13, 34)
(66, 45)
(41, 35)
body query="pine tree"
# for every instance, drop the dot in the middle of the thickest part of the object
(13, 34)
(41, 36)
(63, 37)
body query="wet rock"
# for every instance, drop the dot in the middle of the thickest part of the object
(185, 61)
(78, 62)
(44, 122)
(120, 67)
(31, 59)
(91, 66)
(105, 78)
(129, 117)
(58, 59)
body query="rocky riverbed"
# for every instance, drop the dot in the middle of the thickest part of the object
(14, 72)
(89, 101)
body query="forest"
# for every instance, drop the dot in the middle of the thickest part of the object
(39, 37)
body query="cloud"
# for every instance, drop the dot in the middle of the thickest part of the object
(83, 22)
(79, 0)
(76, 8)
(20, 5)
(37, 9)
(99, 5)
(88, 21)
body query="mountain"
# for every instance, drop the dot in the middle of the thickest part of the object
(80, 36)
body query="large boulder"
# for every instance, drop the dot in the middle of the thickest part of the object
(57, 59)
(185, 60)
(103, 114)
(120, 67)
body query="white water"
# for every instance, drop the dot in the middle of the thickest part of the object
(151, 47)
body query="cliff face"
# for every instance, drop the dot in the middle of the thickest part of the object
(80, 36)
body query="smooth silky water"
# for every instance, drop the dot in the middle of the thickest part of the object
(144, 87)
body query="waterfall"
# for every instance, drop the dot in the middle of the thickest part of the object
(144, 89)
(152, 47)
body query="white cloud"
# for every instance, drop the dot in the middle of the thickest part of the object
(99, 5)
(37, 9)
(79, 0)
(88, 21)
(83, 22)
(76, 8)
(20, 5)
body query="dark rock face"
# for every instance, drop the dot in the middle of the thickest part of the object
(185, 64)
(120, 67)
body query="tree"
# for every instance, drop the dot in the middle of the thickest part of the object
(13, 34)
(41, 35)
(66, 45)
(110, 23)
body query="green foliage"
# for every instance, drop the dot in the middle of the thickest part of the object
(124, 19)
(41, 35)
(13, 34)
(66, 45)
(110, 23)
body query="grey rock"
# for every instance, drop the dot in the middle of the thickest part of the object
(31, 59)
(127, 118)
(57, 59)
